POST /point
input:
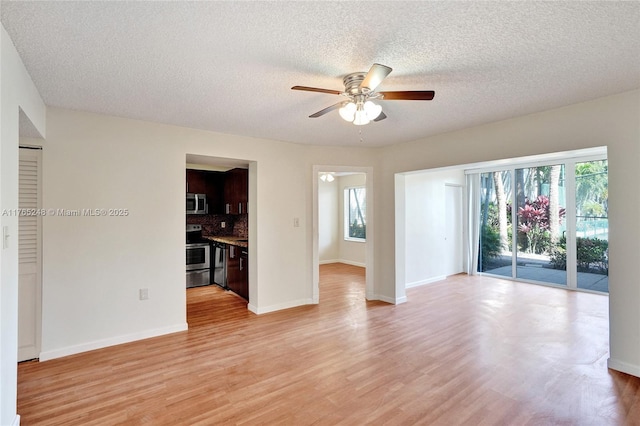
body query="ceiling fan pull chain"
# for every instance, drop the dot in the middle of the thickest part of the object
(360, 133)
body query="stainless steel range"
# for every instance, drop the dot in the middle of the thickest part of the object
(198, 257)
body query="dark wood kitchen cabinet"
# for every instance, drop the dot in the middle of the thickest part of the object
(196, 182)
(209, 183)
(236, 191)
(237, 271)
(244, 272)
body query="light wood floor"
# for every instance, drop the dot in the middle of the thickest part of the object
(468, 350)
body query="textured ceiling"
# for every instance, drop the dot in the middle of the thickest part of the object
(229, 66)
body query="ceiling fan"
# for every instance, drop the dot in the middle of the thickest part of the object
(359, 89)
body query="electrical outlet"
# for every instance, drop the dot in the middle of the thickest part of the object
(223, 224)
(144, 293)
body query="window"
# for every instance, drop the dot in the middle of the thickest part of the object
(355, 214)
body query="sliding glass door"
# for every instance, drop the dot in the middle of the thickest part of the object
(546, 223)
(495, 223)
(592, 225)
(540, 223)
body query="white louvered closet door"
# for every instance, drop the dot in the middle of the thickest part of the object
(29, 256)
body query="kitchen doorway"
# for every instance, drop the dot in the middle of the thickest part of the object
(228, 188)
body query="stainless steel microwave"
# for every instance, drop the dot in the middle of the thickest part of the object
(197, 204)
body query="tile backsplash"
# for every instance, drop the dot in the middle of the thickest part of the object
(241, 226)
(236, 225)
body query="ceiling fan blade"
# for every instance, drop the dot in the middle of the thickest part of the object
(328, 109)
(409, 95)
(315, 89)
(381, 117)
(374, 77)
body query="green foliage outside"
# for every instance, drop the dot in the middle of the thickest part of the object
(534, 219)
(357, 230)
(490, 247)
(592, 188)
(533, 231)
(592, 255)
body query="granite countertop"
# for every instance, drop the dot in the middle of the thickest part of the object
(229, 239)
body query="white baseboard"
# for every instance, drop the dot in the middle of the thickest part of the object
(279, 306)
(346, 262)
(112, 341)
(623, 367)
(352, 263)
(424, 282)
(16, 420)
(393, 301)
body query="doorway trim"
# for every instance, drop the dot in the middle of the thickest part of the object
(369, 261)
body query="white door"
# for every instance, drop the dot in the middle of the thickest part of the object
(453, 230)
(29, 256)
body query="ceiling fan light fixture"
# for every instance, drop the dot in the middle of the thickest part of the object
(348, 111)
(361, 116)
(372, 110)
(360, 89)
(327, 177)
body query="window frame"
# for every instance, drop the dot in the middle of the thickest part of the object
(347, 214)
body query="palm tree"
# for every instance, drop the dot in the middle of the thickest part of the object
(554, 203)
(501, 200)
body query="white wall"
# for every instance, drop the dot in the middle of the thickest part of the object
(611, 121)
(425, 225)
(328, 222)
(351, 252)
(17, 91)
(94, 266)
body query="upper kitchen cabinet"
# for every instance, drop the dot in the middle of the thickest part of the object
(196, 183)
(209, 183)
(236, 191)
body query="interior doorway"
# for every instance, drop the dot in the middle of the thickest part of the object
(227, 220)
(343, 221)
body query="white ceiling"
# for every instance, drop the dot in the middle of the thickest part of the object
(229, 66)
